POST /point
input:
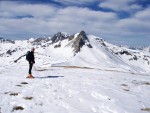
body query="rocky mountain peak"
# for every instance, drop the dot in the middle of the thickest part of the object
(83, 35)
(80, 40)
(39, 41)
(59, 37)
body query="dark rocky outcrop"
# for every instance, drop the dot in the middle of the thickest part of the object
(132, 55)
(9, 52)
(59, 37)
(80, 41)
(124, 52)
(38, 41)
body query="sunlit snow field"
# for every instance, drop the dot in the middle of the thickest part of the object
(72, 90)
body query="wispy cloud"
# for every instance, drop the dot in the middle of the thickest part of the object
(120, 5)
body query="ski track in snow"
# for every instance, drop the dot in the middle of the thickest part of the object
(66, 90)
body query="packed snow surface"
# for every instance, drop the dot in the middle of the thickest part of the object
(73, 90)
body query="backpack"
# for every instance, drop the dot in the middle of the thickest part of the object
(28, 55)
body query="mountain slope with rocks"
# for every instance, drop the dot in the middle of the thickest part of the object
(78, 50)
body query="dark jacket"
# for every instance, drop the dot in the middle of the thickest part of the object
(31, 57)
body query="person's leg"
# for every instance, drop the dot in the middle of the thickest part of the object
(30, 68)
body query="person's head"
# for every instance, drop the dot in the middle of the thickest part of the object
(33, 49)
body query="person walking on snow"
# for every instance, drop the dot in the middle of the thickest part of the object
(31, 62)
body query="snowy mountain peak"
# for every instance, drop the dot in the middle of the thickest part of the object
(31, 39)
(79, 40)
(84, 39)
(59, 37)
(76, 42)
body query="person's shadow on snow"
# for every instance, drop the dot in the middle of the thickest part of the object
(50, 77)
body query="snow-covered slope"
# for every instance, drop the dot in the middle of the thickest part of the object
(78, 50)
(74, 74)
(137, 59)
(72, 90)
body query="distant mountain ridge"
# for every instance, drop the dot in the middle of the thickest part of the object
(2, 40)
(79, 49)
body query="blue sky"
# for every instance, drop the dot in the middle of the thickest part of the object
(122, 22)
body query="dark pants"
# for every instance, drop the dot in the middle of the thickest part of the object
(30, 67)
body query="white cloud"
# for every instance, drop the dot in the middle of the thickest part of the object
(13, 9)
(139, 23)
(120, 5)
(47, 20)
(86, 14)
(143, 15)
(134, 26)
(69, 19)
(91, 21)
